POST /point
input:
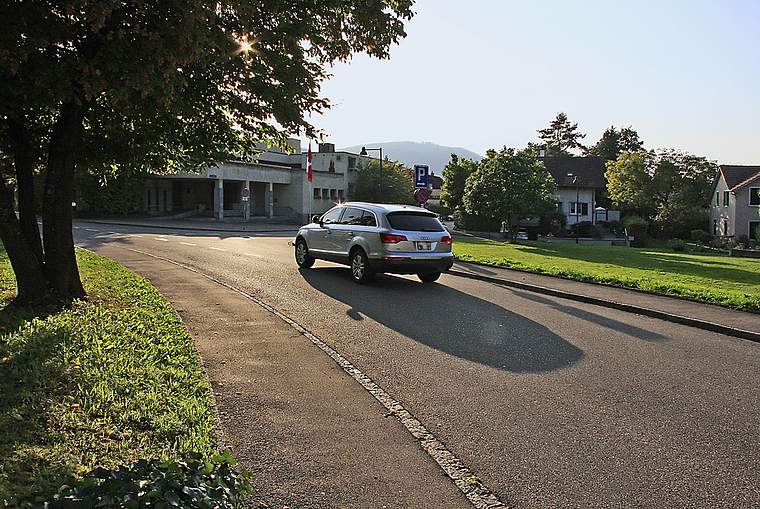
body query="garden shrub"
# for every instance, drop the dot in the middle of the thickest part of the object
(677, 245)
(193, 483)
(617, 228)
(465, 221)
(700, 236)
(586, 229)
(638, 227)
(553, 223)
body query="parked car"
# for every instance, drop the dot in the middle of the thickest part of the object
(522, 234)
(372, 238)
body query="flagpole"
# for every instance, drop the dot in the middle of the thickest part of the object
(311, 184)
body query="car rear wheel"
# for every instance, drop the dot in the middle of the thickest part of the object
(360, 269)
(429, 277)
(302, 254)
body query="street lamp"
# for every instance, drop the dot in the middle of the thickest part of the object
(577, 205)
(364, 153)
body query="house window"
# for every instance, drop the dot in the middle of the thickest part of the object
(715, 227)
(717, 199)
(725, 198)
(333, 194)
(351, 163)
(753, 226)
(581, 206)
(725, 227)
(754, 196)
(317, 193)
(325, 194)
(340, 194)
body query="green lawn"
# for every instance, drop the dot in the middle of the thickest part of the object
(711, 276)
(101, 383)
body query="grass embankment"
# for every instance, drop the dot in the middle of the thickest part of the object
(709, 276)
(101, 383)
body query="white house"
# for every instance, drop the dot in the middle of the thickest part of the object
(580, 182)
(735, 202)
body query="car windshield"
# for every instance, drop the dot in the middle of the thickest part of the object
(410, 221)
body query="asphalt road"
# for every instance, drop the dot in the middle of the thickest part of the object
(552, 403)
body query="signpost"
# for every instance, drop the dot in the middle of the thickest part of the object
(420, 176)
(246, 210)
(421, 195)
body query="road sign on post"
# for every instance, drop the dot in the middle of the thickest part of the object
(420, 176)
(421, 195)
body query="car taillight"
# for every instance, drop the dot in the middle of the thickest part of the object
(390, 238)
(446, 240)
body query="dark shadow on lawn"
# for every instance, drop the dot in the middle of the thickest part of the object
(29, 381)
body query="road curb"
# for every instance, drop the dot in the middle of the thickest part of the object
(630, 308)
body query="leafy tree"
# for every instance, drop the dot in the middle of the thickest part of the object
(510, 186)
(454, 179)
(561, 136)
(629, 183)
(117, 86)
(397, 182)
(668, 187)
(681, 185)
(614, 141)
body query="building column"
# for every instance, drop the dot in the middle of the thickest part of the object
(219, 199)
(269, 203)
(247, 202)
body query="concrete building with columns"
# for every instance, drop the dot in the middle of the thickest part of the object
(274, 185)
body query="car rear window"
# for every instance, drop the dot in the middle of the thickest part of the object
(409, 221)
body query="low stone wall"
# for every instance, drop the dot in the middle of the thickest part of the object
(623, 242)
(744, 253)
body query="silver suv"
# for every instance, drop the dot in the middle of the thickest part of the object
(372, 238)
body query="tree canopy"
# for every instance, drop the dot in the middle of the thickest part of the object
(561, 136)
(397, 182)
(614, 142)
(668, 187)
(454, 179)
(510, 186)
(119, 85)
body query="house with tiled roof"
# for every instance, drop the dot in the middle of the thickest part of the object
(735, 202)
(580, 183)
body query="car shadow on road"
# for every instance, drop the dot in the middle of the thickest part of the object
(449, 321)
(609, 323)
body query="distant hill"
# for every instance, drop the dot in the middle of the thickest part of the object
(410, 153)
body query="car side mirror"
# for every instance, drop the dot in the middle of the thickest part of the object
(315, 219)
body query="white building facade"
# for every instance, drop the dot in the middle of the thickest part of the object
(273, 185)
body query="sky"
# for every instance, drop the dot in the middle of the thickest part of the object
(485, 74)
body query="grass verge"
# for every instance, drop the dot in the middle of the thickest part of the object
(101, 383)
(707, 276)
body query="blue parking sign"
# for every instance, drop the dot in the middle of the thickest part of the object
(420, 176)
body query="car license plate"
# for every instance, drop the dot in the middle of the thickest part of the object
(423, 246)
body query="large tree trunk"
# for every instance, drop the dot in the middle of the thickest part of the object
(60, 260)
(24, 160)
(30, 279)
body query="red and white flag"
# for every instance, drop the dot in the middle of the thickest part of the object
(308, 163)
